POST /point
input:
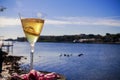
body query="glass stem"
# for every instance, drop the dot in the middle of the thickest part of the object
(31, 56)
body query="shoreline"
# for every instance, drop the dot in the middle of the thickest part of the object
(74, 42)
(11, 66)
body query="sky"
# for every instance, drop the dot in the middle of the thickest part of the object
(62, 17)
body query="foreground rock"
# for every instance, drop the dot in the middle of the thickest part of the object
(12, 71)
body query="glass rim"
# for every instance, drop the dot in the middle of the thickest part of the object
(35, 16)
(33, 19)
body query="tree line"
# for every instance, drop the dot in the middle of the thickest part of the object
(83, 38)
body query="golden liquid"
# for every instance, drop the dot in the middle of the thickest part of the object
(32, 28)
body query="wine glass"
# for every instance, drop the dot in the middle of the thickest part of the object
(32, 27)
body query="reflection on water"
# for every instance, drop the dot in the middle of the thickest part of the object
(98, 62)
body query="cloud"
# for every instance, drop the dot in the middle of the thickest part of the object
(88, 21)
(5, 21)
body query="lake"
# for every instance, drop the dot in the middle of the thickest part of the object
(98, 62)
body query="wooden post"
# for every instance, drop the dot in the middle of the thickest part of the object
(1, 60)
(12, 47)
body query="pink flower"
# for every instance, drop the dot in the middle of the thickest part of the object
(41, 78)
(35, 75)
(24, 77)
(51, 76)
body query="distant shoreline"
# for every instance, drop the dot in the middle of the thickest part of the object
(72, 42)
(82, 38)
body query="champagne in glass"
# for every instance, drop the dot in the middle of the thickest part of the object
(32, 28)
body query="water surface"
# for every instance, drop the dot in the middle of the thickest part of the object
(99, 62)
